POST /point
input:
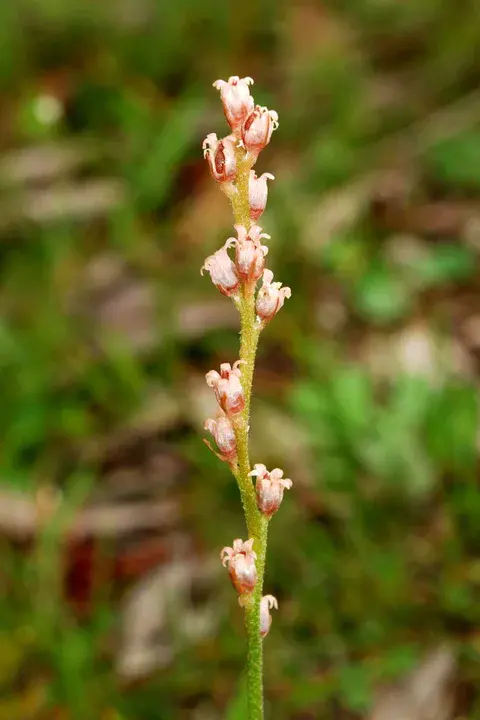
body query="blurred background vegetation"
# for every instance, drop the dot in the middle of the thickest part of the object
(113, 605)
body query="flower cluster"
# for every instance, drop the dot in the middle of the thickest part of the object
(235, 269)
(251, 129)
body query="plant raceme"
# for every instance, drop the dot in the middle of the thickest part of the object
(235, 269)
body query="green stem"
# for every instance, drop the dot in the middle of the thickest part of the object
(248, 347)
(257, 524)
(252, 624)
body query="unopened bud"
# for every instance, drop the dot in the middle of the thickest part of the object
(258, 128)
(249, 252)
(227, 387)
(236, 99)
(222, 431)
(222, 271)
(241, 565)
(220, 155)
(271, 297)
(269, 488)
(258, 193)
(266, 604)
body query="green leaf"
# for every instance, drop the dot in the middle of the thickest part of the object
(356, 686)
(409, 399)
(381, 297)
(456, 161)
(352, 399)
(165, 144)
(453, 426)
(447, 262)
(238, 707)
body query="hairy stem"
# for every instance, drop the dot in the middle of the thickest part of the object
(252, 624)
(257, 524)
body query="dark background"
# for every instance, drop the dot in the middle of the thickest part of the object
(113, 603)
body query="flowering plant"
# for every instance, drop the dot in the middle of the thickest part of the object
(235, 270)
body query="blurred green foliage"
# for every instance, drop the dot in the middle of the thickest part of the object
(367, 380)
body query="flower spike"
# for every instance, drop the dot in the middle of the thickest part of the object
(235, 270)
(240, 560)
(269, 488)
(266, 604)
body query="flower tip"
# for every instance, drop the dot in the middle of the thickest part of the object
(225, 555)
(267, 603)
(212, 377)
(258, 469)
(271, 601)
(267, 277)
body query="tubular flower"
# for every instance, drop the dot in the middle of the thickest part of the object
(220, 155)
(222, 431)
(271, 297)
(269, 488)
(258, 128)
(236, 99)
(266, 604)
(249, 253)
(258, 193)
(241, 565)
(222, 271)
(227, 387)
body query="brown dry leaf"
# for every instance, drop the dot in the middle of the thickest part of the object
(312, 31)
(156, 601)
(119, 304)
(425, 695)
(74, 201)
(198, 318)
(203, 214)
(19, 517)
(27, 705)
(44, 163)
(272, 428)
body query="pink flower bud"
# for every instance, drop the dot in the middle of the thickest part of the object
(258, 193)
(269, 488)
(220, 155)
(271, 297)
(257, 129)
(236, 98)
(249, 253)
(227, 387)
(222, 271)
(222, 431)
(266, 604)
(241, 565)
